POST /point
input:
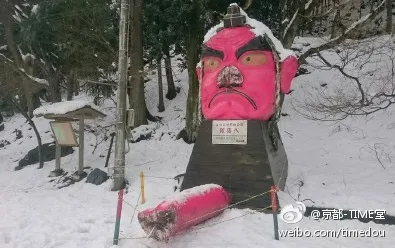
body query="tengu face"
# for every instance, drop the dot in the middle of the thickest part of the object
(238, 80)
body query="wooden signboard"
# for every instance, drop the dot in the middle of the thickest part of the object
(229, 132)
(64, 133)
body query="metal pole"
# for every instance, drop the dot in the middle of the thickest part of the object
(119, 165)
(81, 146)
(118, 217)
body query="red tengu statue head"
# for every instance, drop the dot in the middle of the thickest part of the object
(238, 75)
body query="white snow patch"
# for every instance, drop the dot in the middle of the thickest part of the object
(199, 64)
(259, 29)
(17, 17)
(35, 9)
(181, 197)
(18, 8)
(212, 31)
(60, 108)
(26, 56)
(142, 131)
(38, 80)
(308, 4)
(3, 47)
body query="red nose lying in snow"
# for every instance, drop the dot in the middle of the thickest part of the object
(183, 210)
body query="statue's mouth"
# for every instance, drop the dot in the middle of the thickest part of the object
(233, 91)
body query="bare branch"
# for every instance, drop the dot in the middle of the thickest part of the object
(378, 156)
(345, 74)
(290, 23)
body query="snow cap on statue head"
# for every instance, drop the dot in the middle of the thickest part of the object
(237, 72)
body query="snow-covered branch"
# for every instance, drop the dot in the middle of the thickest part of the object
(337, 40)
(290, 23)
(22, 72)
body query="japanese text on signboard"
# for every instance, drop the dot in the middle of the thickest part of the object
(229, 132)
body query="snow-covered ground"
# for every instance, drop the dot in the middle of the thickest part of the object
(331, 165)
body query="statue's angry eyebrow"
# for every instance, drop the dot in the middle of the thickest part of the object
(208, 51)
(257, 43)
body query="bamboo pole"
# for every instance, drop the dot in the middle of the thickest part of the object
(119, 165)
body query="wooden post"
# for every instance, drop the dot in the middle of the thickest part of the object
(58, 155)
(109, 149)
(81, 146)
(142, 187)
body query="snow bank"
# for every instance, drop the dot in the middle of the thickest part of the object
(259, 29)
(60, 108)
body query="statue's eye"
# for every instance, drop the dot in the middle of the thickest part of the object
(253, 58)
(210, 63)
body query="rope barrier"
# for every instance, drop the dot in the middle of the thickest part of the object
(130, 205)
(135, 208)
(217, 223)
(210, 225)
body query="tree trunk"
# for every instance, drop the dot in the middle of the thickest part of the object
(26, 100)
(36, 100)
(27, 89)
(192, 55)
(161, 104)
(29, 98)
(289, 32)
(171, 87)
(136, 90)
(22, 100)
(33, 125)
(389, 16)
(40, 156)
(76, 88)
(54, 87)
(70, 86)
(336, 20)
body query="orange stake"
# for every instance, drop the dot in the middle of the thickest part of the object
(142, 187)
(274, 209)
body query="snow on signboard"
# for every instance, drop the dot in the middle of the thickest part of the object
(61, 108)
(229, 132)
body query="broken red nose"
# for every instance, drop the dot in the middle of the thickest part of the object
(229, 76)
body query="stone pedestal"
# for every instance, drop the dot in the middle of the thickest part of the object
(243, 170)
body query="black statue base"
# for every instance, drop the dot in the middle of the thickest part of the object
(243, 170)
